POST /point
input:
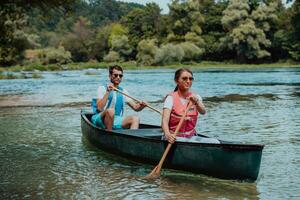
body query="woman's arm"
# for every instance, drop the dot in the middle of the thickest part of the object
(196, 99)
(165, 125)
(200, 107)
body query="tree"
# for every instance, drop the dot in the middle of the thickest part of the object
(143, 23)
(13, 36)
(120, 45)
(101, 43)
(294, 48)
(168, 54)
(213, 29)
(103, 12)
(185, 21)
(147, 50)
(79, 40)
(247, 31)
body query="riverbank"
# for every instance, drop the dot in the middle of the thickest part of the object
(12, 72)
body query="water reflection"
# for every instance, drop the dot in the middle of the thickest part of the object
(171, 184)
(200, 187)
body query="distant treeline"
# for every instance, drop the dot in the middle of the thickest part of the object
(58, 31)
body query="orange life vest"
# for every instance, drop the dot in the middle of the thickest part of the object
(188, 127)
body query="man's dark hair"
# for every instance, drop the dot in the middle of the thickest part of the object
(116, 67)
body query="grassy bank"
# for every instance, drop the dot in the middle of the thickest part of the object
(133, 65)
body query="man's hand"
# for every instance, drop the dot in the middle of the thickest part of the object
(110, 87)
(142, 104)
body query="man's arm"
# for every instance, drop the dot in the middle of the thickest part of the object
(102, 97)
(137, 106)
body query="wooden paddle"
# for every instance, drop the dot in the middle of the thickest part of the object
(154, 109)
(156, 171)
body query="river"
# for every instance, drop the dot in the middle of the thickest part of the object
(44, 156)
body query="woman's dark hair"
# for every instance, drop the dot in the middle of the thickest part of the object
(116, 67)
(178, 73)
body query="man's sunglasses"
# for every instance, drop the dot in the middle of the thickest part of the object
(116, 75)
(186, 78)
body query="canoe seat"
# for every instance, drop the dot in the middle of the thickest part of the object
(156, 133)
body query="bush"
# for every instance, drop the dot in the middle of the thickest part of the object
(53, 55)
(48, 56)
(112, 56)
(146, 52)
(120, 44)
(191, 51)
(169, 54)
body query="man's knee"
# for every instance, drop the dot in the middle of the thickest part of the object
(110, 112)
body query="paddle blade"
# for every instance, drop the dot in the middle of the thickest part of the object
(155, 173)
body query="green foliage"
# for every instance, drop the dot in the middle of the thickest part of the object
(264, 15)
(169, 54)
(185, 21)
(112, 56)
(120, 44)
(116, 31)
(242, 30)
(247, 41)
(13, 36)
(235, 14)
(143, 23)
(79, 41)
(147, 50)
(191, 51)
(53, 55)
(100, 45)
(247, 30)
(192, 37)
(294, 48)
(103, 12)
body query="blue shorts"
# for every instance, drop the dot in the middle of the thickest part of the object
(97, 121)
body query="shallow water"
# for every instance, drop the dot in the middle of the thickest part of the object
(43, 154)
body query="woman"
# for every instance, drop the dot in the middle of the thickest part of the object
(175, 105)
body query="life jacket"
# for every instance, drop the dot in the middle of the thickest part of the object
(119, 105)
(188, 126)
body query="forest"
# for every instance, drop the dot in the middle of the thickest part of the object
(71, 31)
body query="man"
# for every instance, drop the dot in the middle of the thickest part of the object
(111, 104)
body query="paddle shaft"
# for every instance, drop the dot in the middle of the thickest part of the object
(154, 109)
(158, 167)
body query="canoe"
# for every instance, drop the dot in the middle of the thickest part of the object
(226, 160)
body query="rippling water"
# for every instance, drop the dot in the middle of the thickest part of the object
(43, 154)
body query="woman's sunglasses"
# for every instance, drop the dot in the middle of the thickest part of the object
(117, 75)
(187, 78)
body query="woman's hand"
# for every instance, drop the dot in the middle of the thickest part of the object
(198, 102)
(194, 99)
(170, 137)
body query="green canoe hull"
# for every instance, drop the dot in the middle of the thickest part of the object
(226, 160)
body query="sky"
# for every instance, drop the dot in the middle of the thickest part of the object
(163, 4)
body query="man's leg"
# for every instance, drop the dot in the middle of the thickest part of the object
(108, 118)
(131, 122)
